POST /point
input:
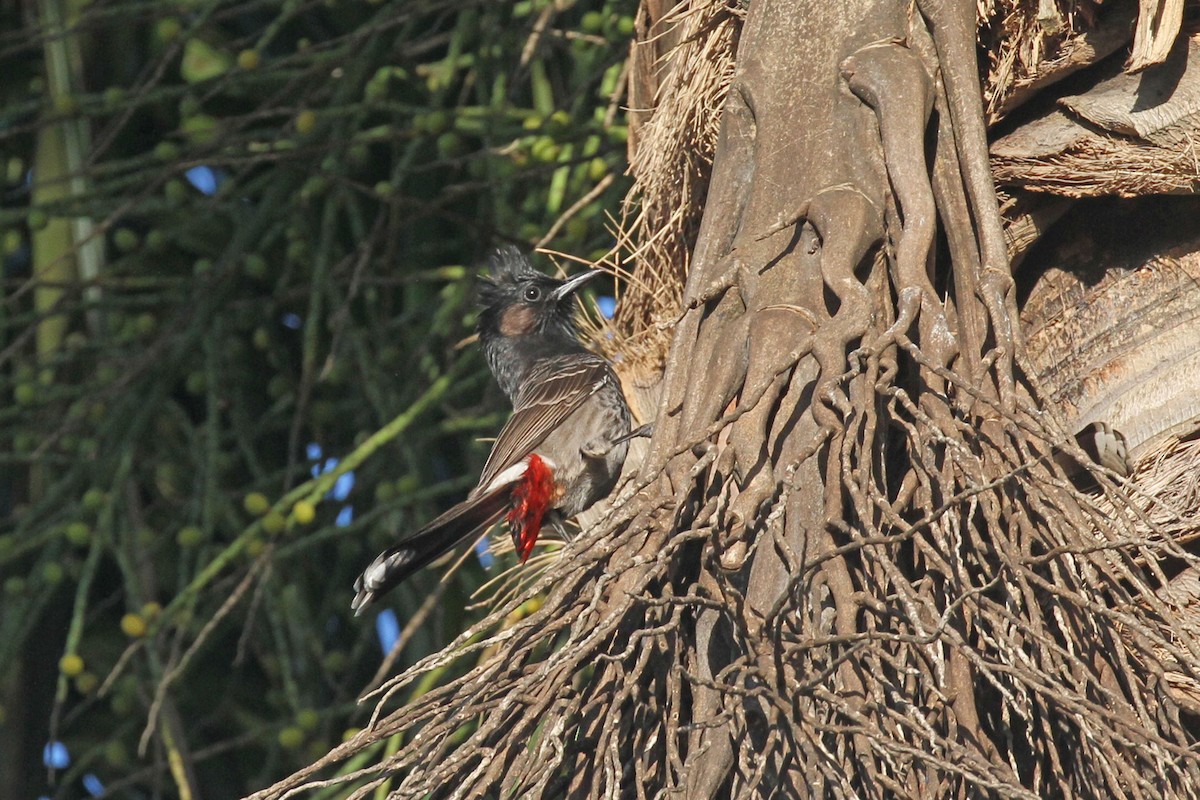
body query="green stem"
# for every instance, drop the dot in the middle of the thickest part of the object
(62, 155)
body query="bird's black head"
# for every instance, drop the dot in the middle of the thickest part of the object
(518, 301)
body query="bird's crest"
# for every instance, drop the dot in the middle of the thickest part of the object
(507, 265)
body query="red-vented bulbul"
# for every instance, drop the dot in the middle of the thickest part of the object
(564, 445)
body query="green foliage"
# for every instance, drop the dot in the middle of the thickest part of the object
(168, 354)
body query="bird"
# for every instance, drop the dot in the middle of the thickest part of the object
(562, 449)
(1102, 444)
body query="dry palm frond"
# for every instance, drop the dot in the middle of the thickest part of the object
(671, 160)
(1168, 491)
(1032, 42)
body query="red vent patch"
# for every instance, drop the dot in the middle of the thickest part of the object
(531, 499)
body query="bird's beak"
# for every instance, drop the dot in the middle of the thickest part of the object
(569, 287)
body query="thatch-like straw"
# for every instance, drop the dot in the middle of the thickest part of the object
(671, 161)
(1168, 491)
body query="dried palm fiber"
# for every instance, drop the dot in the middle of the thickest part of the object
(1102, 166)
(1032, 43)
(1182, 595)
(681, 68)
(1127, 135)
(1166, 493)
(1167, 490)
(1029, 43)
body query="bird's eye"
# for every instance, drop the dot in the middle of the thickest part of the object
(533, 294)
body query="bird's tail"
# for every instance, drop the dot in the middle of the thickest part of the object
(470, 517)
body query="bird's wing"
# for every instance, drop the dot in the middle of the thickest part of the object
(553, 390)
